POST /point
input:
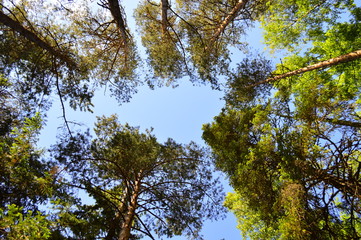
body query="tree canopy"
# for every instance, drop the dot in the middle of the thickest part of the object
(289, 141)
(288, 137)
(165, 188)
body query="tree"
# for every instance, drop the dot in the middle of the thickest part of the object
(26, 180)
(191, 38)
(289, 169)
(25, 177)
(290, 144)
(163, 40)
(36, 56)
(71, 53)
(139, 184)
(107, 44)
(213, 28)
(16, 225)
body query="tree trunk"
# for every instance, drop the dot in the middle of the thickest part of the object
(118, 218)
(165, 6)
(230, 17)
(16, 26)
(324, 64)
(130, 215)
(114, 8)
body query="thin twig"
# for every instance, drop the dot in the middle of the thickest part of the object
(61, 97)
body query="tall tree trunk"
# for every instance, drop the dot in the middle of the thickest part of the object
(165, 6)
(320, 65)
(17, 27)
(118, 218)
(114, 8)
(130, 215)
(230, 17)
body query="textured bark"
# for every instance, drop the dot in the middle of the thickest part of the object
(130, 215)
(230, 17)
(320, 65)
(16, 26)
(114, 8)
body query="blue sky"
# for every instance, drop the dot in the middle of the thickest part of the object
(177, 113)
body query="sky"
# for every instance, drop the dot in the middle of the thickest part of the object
(177, 113)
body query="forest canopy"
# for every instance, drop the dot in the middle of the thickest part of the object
(287, 138)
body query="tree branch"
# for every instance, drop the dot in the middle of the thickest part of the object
(17, 27)
(230, 17)
(320, 65)
(61, 100)
(344, 122)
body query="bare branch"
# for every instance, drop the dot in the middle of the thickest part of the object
(61, 99)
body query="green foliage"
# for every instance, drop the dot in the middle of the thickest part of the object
(291, 25)
(74, 52)
(113, 61)
(71, 218)
(290, 148)
(202, 20)
(17, 225)
(249, 71)
(38, 74)
(26, 180)
(8, 112)
(163, 41)
(275, 162)
(193, 38)
(249, 222)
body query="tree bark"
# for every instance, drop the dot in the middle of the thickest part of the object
(129, 217)
(230, 17)
(320, 65)
(114, 8)
(118, 218)
(17, 27)
(165, 6)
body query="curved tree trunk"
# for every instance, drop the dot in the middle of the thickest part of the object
(343, 122)
(342, 183)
